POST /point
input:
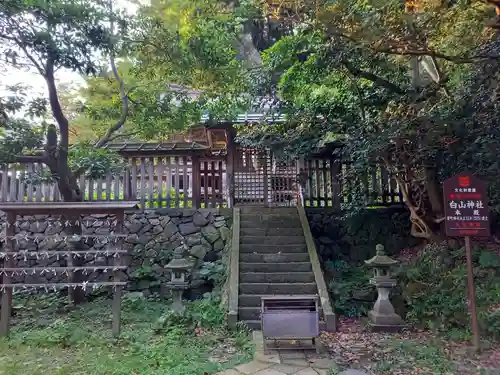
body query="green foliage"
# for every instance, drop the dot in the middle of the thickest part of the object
(214, 271)
(95, 162)
(203, 313)
(345, 75)
(45, 340)
(21, 123)
(45, 37)
(444, 272)
(439, 269)
(349, 287)
(66, 33)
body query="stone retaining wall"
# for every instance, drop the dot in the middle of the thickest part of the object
(352, 236)
(151, 239)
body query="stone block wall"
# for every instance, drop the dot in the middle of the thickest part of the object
(352, 236)
(152, 236)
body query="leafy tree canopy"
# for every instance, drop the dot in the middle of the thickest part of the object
(395, 85)
(411, 87)
(45, 36)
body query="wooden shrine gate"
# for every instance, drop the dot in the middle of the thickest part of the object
(263, 180)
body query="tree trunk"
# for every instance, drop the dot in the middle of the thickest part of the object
(433, 189)
(70, 192)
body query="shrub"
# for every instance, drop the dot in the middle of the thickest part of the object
(352, 295)
(443, 271)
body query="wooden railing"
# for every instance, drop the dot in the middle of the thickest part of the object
(177, 181)
(328, 183)
(191, 181)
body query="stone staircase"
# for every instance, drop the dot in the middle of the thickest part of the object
(273, 259)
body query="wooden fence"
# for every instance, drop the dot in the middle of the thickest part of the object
(329, 183)
(176, 181)
(192, 181)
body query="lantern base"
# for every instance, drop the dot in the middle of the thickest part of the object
(177, 305)
(381, 328)
(385, 322)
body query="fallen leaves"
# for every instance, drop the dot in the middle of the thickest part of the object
(411, 351)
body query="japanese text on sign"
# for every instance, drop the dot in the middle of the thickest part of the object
(466, 208)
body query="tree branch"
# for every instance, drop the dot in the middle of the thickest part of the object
(124, 135)
(437, 55)
(124, 95)
(22, 46)
(405, 51)
(374, 78)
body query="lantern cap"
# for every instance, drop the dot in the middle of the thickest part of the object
(380, 259)
(178, 262)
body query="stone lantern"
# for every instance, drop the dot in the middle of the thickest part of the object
(178, 268)
(383, 317)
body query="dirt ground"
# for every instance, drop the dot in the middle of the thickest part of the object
(409, 352)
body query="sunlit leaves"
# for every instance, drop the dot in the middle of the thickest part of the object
(68, 33)
(94, 162)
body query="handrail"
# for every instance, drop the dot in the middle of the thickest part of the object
(234, 271)
(328, 313)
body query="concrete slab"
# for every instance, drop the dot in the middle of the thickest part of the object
(229, 372)
(323, 363)
(269, 371)
(353, 372)
(296, 362)
(292, 354)
(307, 371)
(261, 357)
(252, 367)
(288, 369)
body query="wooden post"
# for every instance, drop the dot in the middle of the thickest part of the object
(336, 169)
(312, 200)
(7, 291)
(263, 158)
(71, 276)
(196, 181)
(230, 176)
(230, 157)
(133, 179)
(117, 295)
(142, 189)
(213, 178)
(185, 181)
(472, 294)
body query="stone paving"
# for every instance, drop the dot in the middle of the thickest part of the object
(281, 362)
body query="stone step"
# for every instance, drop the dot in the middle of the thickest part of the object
(276, 267)
(272, 249)
(250, 300)
(278, 288)
(274, 258)
(271, 231)
(256, 325)
(273, 240)
(249, 210)
(263, 224)
(254, 313)
(249, 313)
(277, 277)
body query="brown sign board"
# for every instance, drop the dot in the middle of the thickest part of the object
(466, 206)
